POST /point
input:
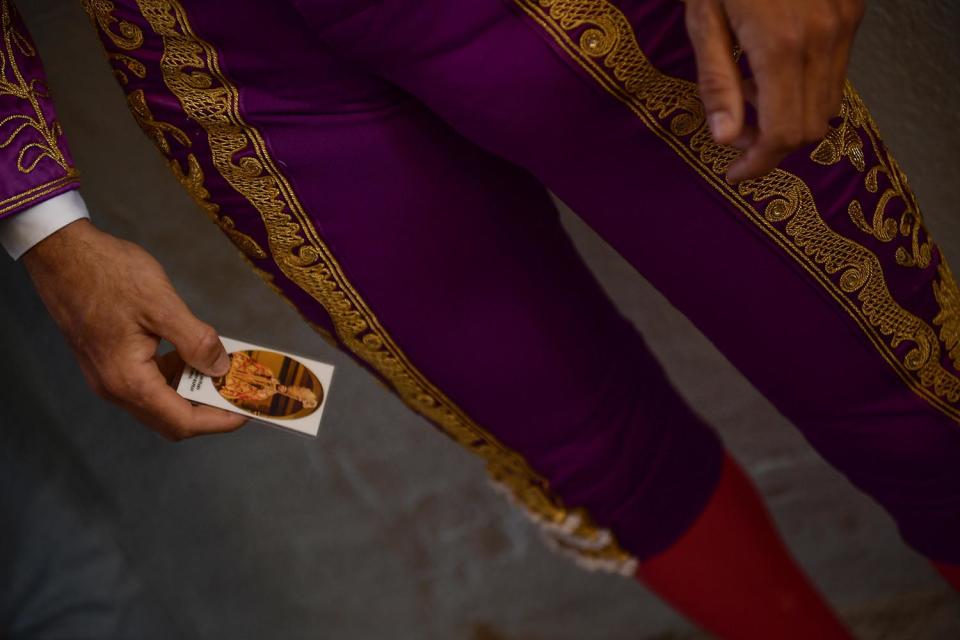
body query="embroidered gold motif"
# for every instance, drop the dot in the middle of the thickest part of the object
(671, 110)
(948, 319)
(191, 72)
(327, 337)
(133, 65)
(30, 90)
(155, 130)
(128, 36)
(192, 181)
(845, 141)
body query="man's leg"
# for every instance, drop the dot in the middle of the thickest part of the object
(818, 281)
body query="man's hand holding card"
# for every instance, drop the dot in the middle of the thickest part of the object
(269, 386)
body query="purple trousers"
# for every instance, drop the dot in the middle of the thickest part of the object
(385, 165)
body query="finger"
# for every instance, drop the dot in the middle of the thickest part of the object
(851, 16)
(820, 81)
(164, 410)
(746, 139)
(203, 415)
(717, 74)
(196, 341)
(840, 63)
(780, 88)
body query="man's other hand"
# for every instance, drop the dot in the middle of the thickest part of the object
(114, 303)
(798, 51)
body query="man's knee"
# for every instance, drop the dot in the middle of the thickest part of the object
(644, 468)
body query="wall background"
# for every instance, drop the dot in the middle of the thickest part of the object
(382, 528)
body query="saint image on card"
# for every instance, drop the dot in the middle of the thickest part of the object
(270, 384)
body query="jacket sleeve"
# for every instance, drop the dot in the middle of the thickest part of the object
(35, 164)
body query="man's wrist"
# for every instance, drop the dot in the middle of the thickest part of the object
(50, 250)
(20, 231)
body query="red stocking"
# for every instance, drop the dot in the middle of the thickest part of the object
(732, 575)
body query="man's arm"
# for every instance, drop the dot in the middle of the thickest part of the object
(111, 299)
(798, 51)
(35, 163)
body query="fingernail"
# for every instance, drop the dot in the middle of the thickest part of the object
(221, 366)
(721, 124)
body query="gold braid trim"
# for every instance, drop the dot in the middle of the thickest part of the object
(36, 193)
(601, 39)
(131, 39)
(191, 72)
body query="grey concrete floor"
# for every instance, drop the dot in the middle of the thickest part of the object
(382, 528)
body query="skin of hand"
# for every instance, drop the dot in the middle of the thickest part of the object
(113, 302)
(798, 51)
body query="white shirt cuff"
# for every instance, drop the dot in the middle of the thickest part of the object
(21, 231)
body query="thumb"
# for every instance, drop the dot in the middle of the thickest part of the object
(196, 341)
(717, 74)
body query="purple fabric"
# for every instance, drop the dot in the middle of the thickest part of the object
(420, 136)
(35, 163)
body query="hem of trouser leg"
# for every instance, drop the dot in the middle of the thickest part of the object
(708, 484)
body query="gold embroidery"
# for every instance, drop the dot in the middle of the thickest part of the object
(129, 38)
(845, 141)
(671, 110)
(155, 130)
(192, 181)
(948, 319)
(128, 35)
(327, 337)
(191, 72)
(24, 198)
(133, 65)
(13, 83)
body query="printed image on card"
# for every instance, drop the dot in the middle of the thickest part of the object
(269, 386)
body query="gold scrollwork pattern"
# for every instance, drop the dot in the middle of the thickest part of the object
(130, 38)
(192, 181)
(39, 139)
(156, 130)
(600, 38)
(948, 319)
(132, 65)
(127, 35)
(844, 141)
(191, 71)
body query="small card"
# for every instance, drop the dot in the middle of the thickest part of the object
(269, 386)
